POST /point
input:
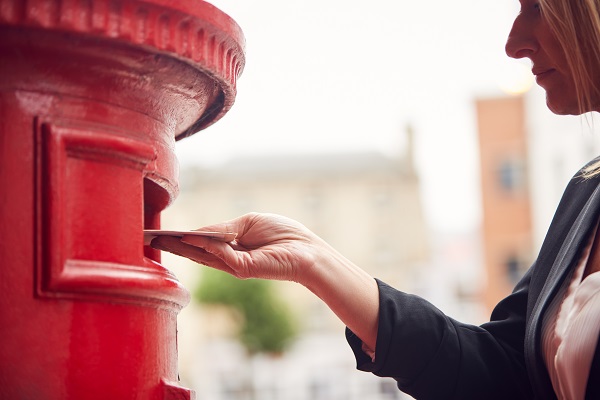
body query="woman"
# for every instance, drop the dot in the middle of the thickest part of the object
(541, 341)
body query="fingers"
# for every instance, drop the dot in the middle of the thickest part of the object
(175, 246)
(232, 255)
(220, 250)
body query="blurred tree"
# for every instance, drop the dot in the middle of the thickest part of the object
(267, 326)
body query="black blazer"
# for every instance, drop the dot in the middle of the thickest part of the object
(433, 356)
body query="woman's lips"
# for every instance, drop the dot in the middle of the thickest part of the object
(542, 74)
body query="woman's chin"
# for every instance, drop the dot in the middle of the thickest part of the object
(562, 107)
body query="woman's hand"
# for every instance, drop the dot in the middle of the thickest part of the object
(267, 246)
(274, 247)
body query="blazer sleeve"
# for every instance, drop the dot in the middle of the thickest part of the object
(432, 356)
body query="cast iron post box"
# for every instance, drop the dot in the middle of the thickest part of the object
(93, 96)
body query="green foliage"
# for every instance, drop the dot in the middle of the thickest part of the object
(268, 324)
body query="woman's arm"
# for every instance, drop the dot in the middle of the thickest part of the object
(274, 247)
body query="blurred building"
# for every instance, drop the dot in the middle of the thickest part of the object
(366, 205)
(506, 200)
(527, 156)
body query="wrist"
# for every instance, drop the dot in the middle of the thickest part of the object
(325, 266)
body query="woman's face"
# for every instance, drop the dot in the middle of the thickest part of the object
(531, 37)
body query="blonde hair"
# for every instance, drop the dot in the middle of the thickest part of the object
(576, 25)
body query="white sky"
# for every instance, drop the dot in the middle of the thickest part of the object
(348, 75)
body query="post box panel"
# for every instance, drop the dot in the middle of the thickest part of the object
(90, 190)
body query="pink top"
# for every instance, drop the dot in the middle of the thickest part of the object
(570, 331)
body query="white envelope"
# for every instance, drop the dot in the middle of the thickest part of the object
(150, 234)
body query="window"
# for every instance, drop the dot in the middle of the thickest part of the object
(514, 268)
(511, 175)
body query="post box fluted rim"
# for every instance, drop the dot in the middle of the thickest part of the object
(194, 32)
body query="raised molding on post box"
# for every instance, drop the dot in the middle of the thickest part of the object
(172, 391)
(84, 168)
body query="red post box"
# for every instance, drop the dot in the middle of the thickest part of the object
(93, 96)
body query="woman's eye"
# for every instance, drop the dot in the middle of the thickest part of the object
(537, 7)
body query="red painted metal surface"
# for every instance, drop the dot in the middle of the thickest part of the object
(93, 96)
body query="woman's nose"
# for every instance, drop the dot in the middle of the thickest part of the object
(521, 41)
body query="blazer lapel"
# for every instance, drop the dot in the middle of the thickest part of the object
(567, 256)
